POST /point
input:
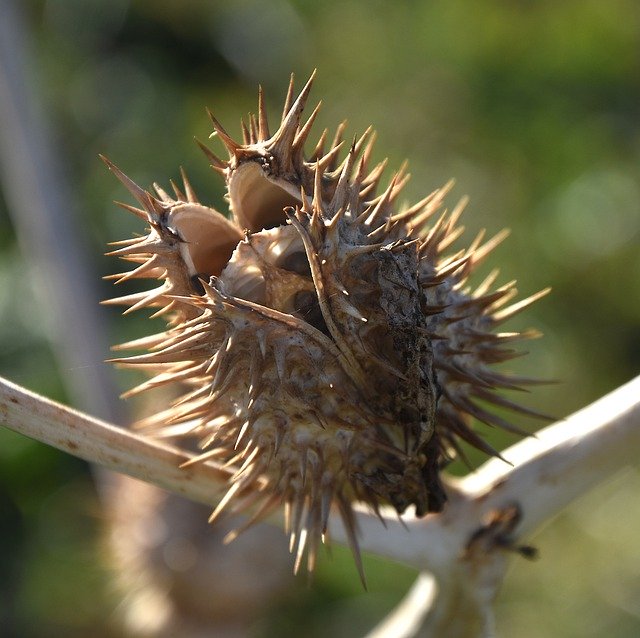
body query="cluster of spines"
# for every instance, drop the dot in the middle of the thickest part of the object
(461, 321)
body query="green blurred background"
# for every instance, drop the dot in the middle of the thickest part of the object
(534, 108)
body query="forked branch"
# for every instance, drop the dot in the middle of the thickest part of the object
(465, 547)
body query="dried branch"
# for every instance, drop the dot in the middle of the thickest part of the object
(411, 613)
(109, 446)
(464, 547)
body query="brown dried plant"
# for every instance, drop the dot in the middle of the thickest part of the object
(329, 346)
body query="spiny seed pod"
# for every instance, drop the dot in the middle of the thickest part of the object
(329, 348)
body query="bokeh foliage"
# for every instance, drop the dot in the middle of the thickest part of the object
(534, 108)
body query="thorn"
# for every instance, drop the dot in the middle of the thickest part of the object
(339, 195)
(149, 203)
(298, 510)
(246, 137)
(216, 163)
(350, 526)
(191, 195)
(337, 141)
(303, 134)
(382, 204)
(478, 254)
(364, 249)
(303, 460)
(454, 217)
(253, 129)
(284, 136)
(445, 271)
(304, 199)
(302, 541)
(276, 448)
(451, 237)
(319, 149)
(180, 196)
(224, 502)
(374, 176)
(136, 211)
(316, 204)
(164, 196)
(514, 309)
(363, 138)
(140, 272)
(417, 208)
(201, 458)
(265, 510)
(486, 283)
(142, 343)
(247, 463)
(263, 124)
(241, 433)
(368, 151)
(329, 160)
(429, 248)
(289, 98)
(493, 419)
(351, 310)
(137, 300)
(457, 425)
(128, 242)
(231, 145)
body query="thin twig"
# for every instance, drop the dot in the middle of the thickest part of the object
(112, 447)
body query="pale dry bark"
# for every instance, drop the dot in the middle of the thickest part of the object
(465, 548)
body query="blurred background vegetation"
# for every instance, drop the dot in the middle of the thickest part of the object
(534, 108)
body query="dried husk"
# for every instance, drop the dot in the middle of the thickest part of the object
(330, 347)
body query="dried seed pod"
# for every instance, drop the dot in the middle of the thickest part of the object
(330, 349)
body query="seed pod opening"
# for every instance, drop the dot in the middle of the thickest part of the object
(329, 346)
